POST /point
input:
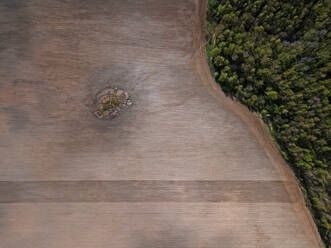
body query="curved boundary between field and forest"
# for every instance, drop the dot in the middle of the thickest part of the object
(253, 122)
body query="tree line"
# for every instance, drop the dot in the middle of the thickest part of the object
(274, 56)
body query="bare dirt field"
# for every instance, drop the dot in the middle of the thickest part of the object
(183, 167)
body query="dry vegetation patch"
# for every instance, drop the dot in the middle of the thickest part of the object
(110, 102)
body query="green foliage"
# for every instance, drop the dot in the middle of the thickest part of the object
(274, 56)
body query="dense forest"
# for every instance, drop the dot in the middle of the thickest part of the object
(274, 56)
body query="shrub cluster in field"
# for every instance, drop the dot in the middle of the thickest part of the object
(274, 56)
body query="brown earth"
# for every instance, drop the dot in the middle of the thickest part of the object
(184, 166)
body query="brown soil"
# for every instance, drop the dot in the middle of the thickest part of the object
(177, 169)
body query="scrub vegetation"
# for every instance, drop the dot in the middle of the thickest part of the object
(274, 56)
(110, 102)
